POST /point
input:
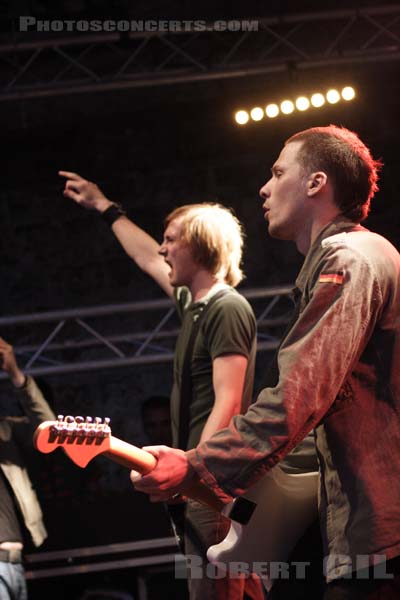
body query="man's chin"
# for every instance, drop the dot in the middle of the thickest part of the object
(273, 230)
(174, 281)
(277, 232)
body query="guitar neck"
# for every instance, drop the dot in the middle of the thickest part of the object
(130, 456)
(83, 440)
(135, 458)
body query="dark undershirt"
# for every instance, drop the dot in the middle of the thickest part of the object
(10, 529)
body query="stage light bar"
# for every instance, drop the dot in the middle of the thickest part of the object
(332, 96)
(288, 106)
(302, 103)
(317, 100)
(242, 117)
(348, 93)
(272, 110)
(257, 113)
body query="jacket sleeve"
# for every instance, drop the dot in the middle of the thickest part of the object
(314, 359)
(34, 404)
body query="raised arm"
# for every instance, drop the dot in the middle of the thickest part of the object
(31, 398)
(138, 244)
(9, 364)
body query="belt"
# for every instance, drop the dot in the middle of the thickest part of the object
(12, 556)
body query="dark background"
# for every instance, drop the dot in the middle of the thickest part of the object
(151, 149)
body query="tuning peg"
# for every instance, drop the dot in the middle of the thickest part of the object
(69, 425)
(89, 427)
(80, 426)
(104, 430)
(59, 424)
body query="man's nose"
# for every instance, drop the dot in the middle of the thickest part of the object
(162, 250)
(264, 193)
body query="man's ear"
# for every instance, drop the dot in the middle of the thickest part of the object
(316, 182)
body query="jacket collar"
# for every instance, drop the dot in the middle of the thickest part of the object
(339, 225)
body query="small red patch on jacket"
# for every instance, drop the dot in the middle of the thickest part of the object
(331, 278)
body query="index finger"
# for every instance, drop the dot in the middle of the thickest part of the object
(69, 175)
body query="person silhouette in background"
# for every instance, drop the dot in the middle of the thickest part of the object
(156, 420)
(21, 518)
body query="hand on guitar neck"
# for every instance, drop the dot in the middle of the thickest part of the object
(274, 512)
(84, 438)
(173, 475)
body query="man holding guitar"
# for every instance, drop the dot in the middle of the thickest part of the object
(338, 370)
(198, 266)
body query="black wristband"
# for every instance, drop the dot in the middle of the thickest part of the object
(112, 213)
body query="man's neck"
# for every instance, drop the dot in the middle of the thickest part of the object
(202, 284)
(309, 234)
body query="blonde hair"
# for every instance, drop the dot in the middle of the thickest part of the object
(215, 237)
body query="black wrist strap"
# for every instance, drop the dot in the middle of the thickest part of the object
(112, 213)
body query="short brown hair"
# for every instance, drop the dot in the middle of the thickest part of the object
(347, 160)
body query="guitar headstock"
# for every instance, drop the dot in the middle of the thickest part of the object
(81, 438)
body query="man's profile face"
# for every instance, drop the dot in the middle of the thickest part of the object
(178, 255)
(285, 197)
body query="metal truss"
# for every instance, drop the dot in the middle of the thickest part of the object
(144, 558)
(126, 555)
(45, 64)
(111, 336)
